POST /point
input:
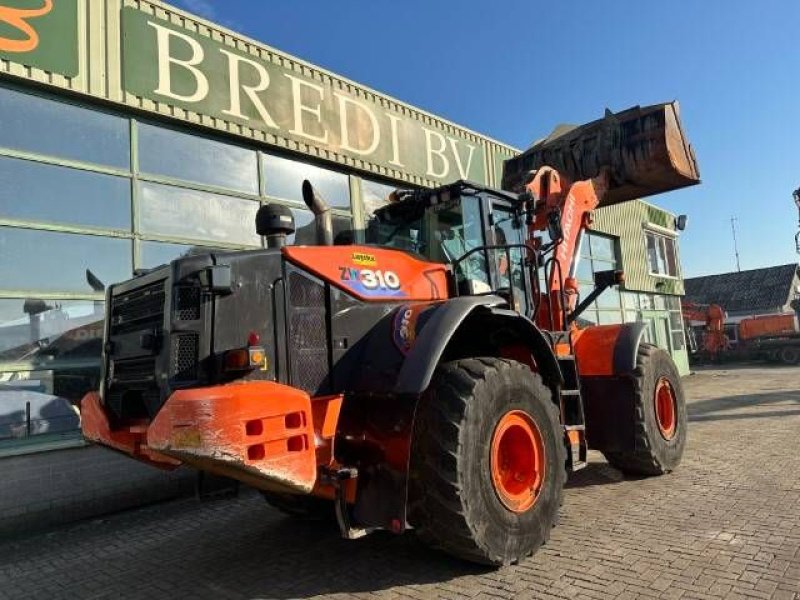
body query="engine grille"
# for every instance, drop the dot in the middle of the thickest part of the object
(133, 390)
(141, 309)
(184, 357)
(308, 333)
(187, 303)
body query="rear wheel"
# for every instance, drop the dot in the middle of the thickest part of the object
(487, 462)
(790, 355)
(660, 418)
(301, 507)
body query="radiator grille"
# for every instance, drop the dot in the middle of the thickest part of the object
(187, 303)
(308, 333)
(184, 356)
(134, 370)
(141, 309)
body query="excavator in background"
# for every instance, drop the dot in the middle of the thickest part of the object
(714, 340)
(773, 337)
(434, 378)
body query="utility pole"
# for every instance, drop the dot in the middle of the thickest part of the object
(735, 243)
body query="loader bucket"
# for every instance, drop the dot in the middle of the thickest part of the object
(643, 148)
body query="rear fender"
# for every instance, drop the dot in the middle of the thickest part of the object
(606, 356)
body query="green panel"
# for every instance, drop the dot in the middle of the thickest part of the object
(170, 64)
(40, 33)
(681, 358)
(627, 221)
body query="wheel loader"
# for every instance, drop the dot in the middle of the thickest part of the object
(438, 377)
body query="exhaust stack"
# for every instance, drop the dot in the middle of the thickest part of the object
(322, 214)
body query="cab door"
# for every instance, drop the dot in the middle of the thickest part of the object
(509, 270)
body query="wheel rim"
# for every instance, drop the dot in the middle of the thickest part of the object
(666, 408)
(517, 461)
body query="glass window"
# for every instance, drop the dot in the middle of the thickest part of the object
(34, 329)
(584, 271)
(602, 247)
(283, 179)
(609, 317)
(374, 195)
(193, 158)
(61, 262)
(155, 254)
(509, 266)
(44, 402)
(661, 254)
(676, 321)
(306, 232)
(647, 302)
(40, 192)
(678, 342)
(631, 316)
(180, 212)
(609, 298)
(588, 317)
(35, 124)
(630, 300)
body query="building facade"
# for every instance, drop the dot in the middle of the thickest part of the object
(132, 132)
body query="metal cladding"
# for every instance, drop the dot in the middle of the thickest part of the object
(644, 150)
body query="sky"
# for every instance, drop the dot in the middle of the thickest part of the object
(513, 70)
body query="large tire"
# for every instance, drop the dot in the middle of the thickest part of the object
(454, 504)
(301, 507)
(789, 355)
(658, 449)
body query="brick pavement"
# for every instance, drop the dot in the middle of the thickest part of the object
(725, 525)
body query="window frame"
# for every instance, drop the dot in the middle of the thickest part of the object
(664, 240)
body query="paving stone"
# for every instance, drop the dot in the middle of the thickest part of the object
(725, 524)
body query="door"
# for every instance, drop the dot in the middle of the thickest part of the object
(658, 329)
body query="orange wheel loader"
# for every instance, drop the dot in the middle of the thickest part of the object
(434, 378)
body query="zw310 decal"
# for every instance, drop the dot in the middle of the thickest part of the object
(371, 279)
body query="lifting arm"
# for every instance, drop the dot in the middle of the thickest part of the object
(563, 209)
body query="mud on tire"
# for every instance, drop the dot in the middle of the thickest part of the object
(453, 503)
(653, 454)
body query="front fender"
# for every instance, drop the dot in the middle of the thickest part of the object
(425, 355)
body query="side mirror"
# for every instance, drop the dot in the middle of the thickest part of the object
(680, 222)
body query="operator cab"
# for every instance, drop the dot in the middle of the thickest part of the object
(480, 231)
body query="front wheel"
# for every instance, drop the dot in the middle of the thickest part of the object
(660, 418)
(488, 461)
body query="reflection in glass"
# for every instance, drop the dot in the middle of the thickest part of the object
(41, 192)
(306, 233)
(609, 317)
(284, 179)
(43, 402)
(155, 254)
(602, 247)
(37, 124)
(37, 330)
(584, 272)
(170, 153)
(374, 195)
(58, 262)
(609, 298)
(179, 212)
